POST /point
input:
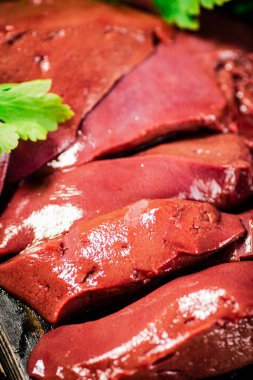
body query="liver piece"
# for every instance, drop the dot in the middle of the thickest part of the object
(193, 327)
(49, 40)
(4, 161)
(113, 253)
(171, 91)
(217, 170)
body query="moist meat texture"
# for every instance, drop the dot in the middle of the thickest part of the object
(193, 327)
(120, 86)
(243, 248)
(49, 40)
(217, 170)
(108, 255)
(158, 97)
(4, 160)
(225, 47)
(202, 80)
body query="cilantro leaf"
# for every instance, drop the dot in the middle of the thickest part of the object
(28, 112)
(184, 13)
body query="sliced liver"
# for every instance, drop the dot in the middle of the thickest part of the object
(113, 253)
(243, 248)
(194, 327)
(49, 40)
(217, 170)
(4, 160)
(171, 91)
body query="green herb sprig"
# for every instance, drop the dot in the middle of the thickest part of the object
(28, 111)
(185, 13)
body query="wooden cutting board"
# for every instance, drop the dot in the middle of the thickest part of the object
(20, 330)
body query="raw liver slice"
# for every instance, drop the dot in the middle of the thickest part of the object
(226, 49)
(4, 160)
(239, 250)
(195, 326)
(171, 91)
(217, 170)
(216, 149)
(243, 248)
(162, 95)
(112, 253)
(234, 75)
(49, 40)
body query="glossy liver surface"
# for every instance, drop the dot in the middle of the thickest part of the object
(196, 326)
(217, 170)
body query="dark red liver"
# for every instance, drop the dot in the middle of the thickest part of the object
(49, 40)
(171, 91)
(239, 250)
(196, 326)
(226, 47)
(243, 248)
(110, 254)
(216, 149)
(4, 160)
(162, 94)
(234, 75)
(217, 170)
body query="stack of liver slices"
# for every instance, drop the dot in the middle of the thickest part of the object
(142, 202)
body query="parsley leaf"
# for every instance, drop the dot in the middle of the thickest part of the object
(184, 13)
(28, 112)
(8, 138)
